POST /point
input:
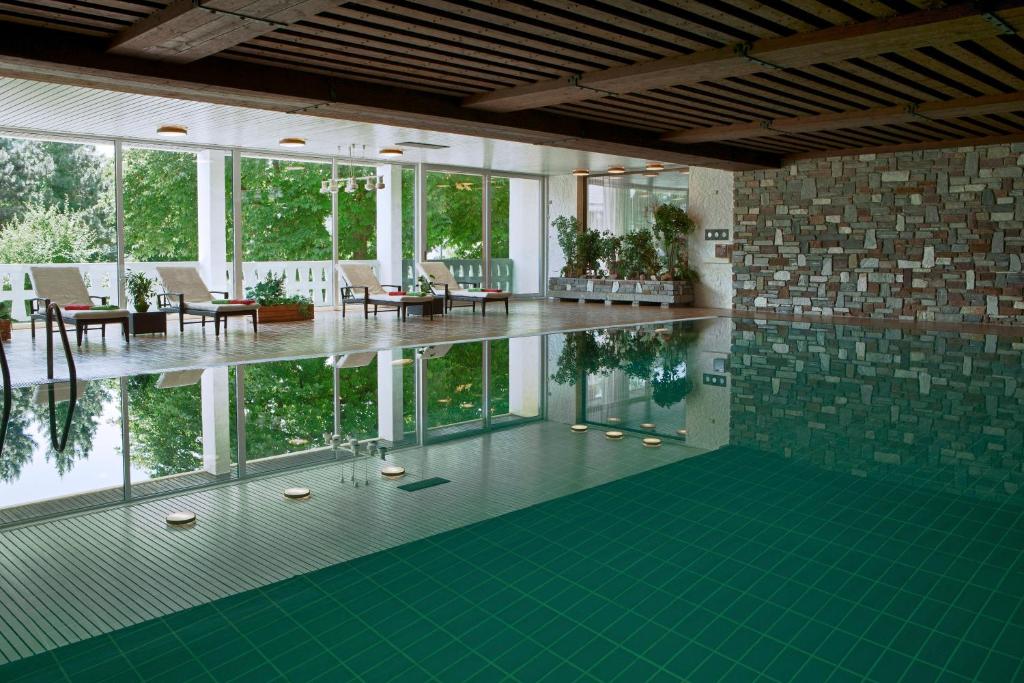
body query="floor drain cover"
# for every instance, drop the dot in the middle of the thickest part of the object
(180, 519)
(423, 484)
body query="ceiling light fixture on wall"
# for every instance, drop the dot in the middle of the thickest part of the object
(172, 131)
(292, 142)
(390, 152)
(616, 170)
(655, 166)
(581, 172)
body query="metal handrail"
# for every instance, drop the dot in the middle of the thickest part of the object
(59, 443)
(8, 391)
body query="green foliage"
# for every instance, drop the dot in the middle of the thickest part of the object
(611, 245)
(166, 426)
(270, 291)
(672, 224)
(639, 256)
(426, 287)
(583, 249)
(161, 221)
(51, 234)
(140, 288)
(5, 310)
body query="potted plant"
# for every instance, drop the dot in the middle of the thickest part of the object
(140, 289)
(673, 225)
(276, 306)
(5, 321)
(639, 256)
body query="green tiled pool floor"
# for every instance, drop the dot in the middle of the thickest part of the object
(729, 566)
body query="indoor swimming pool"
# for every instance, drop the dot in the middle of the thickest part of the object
(709, 500)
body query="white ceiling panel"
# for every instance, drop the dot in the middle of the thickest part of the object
(39, 108)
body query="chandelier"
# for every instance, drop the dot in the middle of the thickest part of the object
(351, 182)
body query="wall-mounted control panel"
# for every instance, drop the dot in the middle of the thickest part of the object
(715, 235)
(716, 380)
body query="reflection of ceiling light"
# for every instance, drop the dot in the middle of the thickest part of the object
(402, 361)
(297, 493)
(655, 166)
(350, 185)
(681, 432)
(180, 519)
(292, 142)
(380, 182)
(651, 174)
(390, 152)
(369, 185)
(614, 420)
(652, 442)
(579, 429)
(616, 170)
(580, 172)
(614, 435)
(646, 425)
(172, 131)
(294, 168)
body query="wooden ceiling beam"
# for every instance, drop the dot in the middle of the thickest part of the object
(942, 26)
(187, 30)
(879, 116)
(46, 55)
(908, 146)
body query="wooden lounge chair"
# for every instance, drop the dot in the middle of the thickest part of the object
(444, 283)
(364, 288)
(64, 286)
(186, 293)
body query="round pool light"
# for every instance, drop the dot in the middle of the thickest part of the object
(652, 442)
(297, 493)
(579, 429)
(646, 425)
(614, 435)
(181, 519)
(681, 432)
(392, 472)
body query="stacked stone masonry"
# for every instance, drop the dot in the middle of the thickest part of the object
(922, 235)
(944, 408)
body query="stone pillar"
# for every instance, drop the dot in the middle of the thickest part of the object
(524, 376)
(712, 208)
(524, 234)
(213, 263)
(389, 225)
(390, 422)
(216, 407)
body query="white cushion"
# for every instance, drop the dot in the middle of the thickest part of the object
(219, 308)
(184, 280)
(87, 315)
(360, 275)
(408, 298)
(63, 285)
(466, 294)
(439, 274)
(179, 378)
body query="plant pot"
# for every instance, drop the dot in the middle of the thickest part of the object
(284, 313)
(5, 330)
(142, 308)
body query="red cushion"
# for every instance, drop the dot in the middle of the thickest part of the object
(244, 302)
(396, 293)
(77, 307)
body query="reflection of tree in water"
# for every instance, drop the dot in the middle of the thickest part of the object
(455, 385)
(30, 423)
(166, 426)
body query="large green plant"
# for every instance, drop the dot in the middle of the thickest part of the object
(639, 256)
(582, 249)
(672, 225)
(270, 291)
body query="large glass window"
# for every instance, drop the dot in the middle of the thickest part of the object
(624, 203)
(516, 234)
(455, 224)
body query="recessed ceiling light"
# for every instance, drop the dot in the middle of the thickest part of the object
(292, 142)
(655, 166)
(616, 170)
(172, 131)
(390, 152)
(580, 172)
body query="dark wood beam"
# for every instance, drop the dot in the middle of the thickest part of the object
(931, 27)
(187, 30)
(45, 55)
(880, 116)
(909, 146)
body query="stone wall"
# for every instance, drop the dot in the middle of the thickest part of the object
(944, 409)
(923, 235)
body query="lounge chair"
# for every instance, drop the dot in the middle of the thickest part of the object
(179, 378)
(186, 293)
(444, 282)
(364, 288)
(64, 286)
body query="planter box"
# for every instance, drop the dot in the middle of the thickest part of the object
(665, 293)
(5, 330)
(283, 313)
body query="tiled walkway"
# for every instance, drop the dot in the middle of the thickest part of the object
(328, 334)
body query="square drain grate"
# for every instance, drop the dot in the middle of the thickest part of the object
(423, 484)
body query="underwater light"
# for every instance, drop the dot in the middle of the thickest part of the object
(652, 442)
(579, 429)
(646, 425)
(181, 519)
(681, 432)
(297, 493)
(614, 435)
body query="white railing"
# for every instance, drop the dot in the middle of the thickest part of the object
(469, 270)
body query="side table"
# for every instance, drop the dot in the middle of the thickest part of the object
(150, 322)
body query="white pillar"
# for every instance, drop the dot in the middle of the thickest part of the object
(216, 405)
(213, 248)
(524, 376)
(561, 202)
(390, 420)
(524, 234)
(389, 225)
(712, 208)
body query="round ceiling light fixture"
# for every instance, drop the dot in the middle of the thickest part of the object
(292, 142)
(655, 166)
(616, 170)
(172, 131)
(581, 172)
(390, 152)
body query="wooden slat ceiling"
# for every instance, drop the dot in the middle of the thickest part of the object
(495, 54)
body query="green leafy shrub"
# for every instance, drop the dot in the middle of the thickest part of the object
(672, 225)
(270, 291)
(639, 256)
(140, 289)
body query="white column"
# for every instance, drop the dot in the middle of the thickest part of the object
(712, 208)
(524, 376)
(524, 234)
(390, 422)
(119, 219)
(389, 225)
(236, 226)
(561, 202)
(213, 248)
(216, 405)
